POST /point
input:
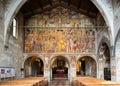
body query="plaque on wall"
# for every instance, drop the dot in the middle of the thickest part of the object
(7, 72)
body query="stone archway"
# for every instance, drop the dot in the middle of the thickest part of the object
(33, 66)
(86, 66)
(116, 67)
(59, 67)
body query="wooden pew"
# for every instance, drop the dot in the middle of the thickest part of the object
(30, 81)
(91, 81)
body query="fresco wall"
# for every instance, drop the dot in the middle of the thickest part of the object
(60, 30)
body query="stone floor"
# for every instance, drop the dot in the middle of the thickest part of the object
(59, 83)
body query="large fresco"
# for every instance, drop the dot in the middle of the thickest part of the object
(60, 30)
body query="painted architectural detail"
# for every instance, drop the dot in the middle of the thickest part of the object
(73, 62)
(46, 61)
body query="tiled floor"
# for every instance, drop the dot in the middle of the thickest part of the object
(59, 82)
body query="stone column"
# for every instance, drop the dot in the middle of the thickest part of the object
(101, 68)
(118, 69)
(101, 62)
(72, 67)
(72, 73)
(47, 73)
(113, 68)
(47, 68)
(117, 60)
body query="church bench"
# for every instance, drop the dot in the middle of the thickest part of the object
(91, 81)
(30, 81)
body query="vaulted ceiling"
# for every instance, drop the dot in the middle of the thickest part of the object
(32, 7)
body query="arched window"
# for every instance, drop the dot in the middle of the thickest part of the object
(15, 28)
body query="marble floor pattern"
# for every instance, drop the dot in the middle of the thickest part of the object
(59, 83)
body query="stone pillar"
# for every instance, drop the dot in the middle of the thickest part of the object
(47, 70)
(72, 73)
(116, 61)
(113, 69)
(47, 73)
(72, 67)
(101, 68)
(101, 62)
(118, 69)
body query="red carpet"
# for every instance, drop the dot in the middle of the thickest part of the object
(60, 76)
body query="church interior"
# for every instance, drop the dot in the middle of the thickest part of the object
(59, 43)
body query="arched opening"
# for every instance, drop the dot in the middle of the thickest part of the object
(105, 56)
(59, 68)
(34, 66)
(86, 66)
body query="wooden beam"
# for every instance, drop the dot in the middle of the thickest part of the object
(50, 2)
(69, 2)
(29, 7)
(41, 5)
(79, 4)
(90, 7)
(71, 7)
(60, 1)
(39, 11)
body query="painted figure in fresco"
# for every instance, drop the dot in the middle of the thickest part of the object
(54, 44)
(84, 40)
(43, 45)
(71, 44)
(75, 46)
(36, 45)
(39, 46)
(62, 45)
(67, 45)
(73, 24)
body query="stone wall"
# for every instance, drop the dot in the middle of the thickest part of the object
(12, 55)
(102, 32)
(116, 4)
(3, 58)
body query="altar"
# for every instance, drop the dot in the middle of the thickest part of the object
(60, 73)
